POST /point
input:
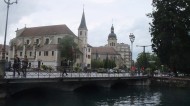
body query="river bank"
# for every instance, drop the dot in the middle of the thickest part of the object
(170, 82)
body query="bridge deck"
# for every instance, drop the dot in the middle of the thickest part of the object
(9, 75)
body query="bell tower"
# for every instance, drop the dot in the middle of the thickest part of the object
(112, 38)
(83, 36)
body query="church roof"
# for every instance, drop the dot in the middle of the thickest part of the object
(83, 22)
(46, 30)
(112, 34)
(104, 50)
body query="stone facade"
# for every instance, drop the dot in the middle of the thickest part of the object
(41, 45)
(1, 52)
(121, 48)
(101, 53)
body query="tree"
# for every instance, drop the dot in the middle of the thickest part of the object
(68, 48)
(169, 31)
(151, 60)
(142, 60)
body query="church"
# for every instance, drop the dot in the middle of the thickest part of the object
(41, 45)
(119, 52)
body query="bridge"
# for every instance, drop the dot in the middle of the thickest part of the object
(70, 82)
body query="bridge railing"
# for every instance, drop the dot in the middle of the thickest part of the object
(37, 73)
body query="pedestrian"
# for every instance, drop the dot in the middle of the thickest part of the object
(24, 65)
(16, 65)
(65, 67)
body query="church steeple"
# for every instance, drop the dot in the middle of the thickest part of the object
(83, 22)
(112, 29)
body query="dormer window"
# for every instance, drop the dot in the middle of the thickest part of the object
(27, 42)
(37, 41)
(47, 41)
(59, 40)
(80, 32)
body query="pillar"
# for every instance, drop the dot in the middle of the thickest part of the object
(24, 49)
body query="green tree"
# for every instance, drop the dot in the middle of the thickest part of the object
(152, 61)
(68, 48)
(142, 60)
(169, 31)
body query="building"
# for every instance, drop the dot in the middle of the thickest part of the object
(103, 53)
(1, 52)
(83, 36)
(41, 45)
(121, 48)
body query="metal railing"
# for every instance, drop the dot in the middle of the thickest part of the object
(37, 73)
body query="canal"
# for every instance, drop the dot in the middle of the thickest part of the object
(93, 96)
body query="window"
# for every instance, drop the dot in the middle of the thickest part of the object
(27, 42)
(6, 53)
(39, 53)
(52, 53)
(30, 53)
(59, 40)
(80, 32)
(88, 56)
(45, 53)
(88, 49)
(47, 41)
(37, 41)
(20, 53)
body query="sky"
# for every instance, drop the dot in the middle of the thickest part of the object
(127, 16)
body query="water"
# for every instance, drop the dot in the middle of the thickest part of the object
(92, 96)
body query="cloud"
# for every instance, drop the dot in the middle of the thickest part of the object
(128, 17)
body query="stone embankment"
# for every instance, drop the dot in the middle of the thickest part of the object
(170, 82)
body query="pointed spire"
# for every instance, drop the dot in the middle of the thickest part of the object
(112, 29)
(83, 22)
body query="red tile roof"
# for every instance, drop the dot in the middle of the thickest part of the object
(46, 30)
(104, 50)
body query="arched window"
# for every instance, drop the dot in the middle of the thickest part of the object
(47, 41)
(37, 41)
(27, 42)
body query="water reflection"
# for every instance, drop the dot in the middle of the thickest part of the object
(92, 96)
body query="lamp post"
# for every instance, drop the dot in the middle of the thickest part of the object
(132, 39)
(4, 48)
(2, 62)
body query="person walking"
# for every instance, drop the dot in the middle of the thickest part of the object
(24, 65)
(16, 65)
(65, 68)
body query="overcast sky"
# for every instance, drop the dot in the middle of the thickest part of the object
(129, 16)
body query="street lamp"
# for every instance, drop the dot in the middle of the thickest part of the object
(132, 39)
(4, 48)
(2, 62)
